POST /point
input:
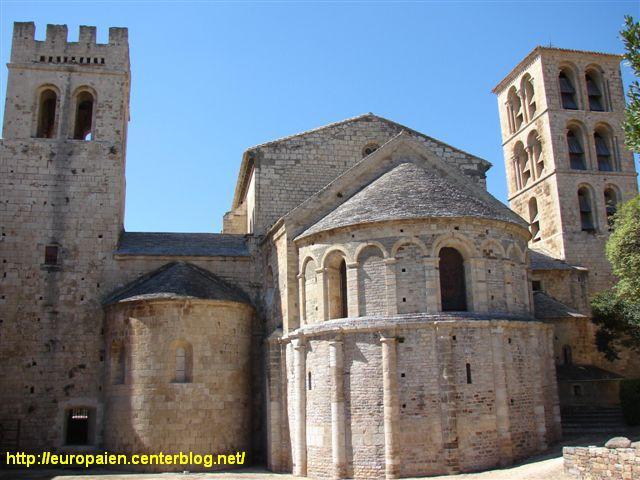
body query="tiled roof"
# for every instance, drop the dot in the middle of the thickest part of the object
(411, 191)
(178, 280)
(547, 307)
(182, 244)
(543, 261)
(583, 373)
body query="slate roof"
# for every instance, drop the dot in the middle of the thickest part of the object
(543, 261)
(584, 373)
(547, 307)
(178, 280)
(182, 244)
(409, 191)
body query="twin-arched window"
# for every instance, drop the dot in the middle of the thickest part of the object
(83, 115)
(604, 148)
(595, 86)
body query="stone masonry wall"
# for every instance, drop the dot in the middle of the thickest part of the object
(470, 394)
(291, 170)
(600, 463)
(152, 412)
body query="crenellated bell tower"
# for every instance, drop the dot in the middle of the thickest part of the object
(63, 188)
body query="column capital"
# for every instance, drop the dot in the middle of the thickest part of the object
(352, 265)
(298, 343)
(388, 339)
(390, 261)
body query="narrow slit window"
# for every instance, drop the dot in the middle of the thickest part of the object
(567, 92)
(469, 380)
(586, 211)
(603, 152)
(611, 204)
(181, 365)
(534, 219)
(576, 152)
(596, 103)
(51, 255)
(47, 114)
(84, 116)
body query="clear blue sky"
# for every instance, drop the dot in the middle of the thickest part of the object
(211, 79)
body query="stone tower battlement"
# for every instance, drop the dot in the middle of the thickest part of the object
(57, 49)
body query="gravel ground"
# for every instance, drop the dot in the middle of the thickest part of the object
(548, 466)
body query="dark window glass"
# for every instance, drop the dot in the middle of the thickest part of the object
(47, 114)
(452, 281)
(595, 96)
(586, 213)
(567, 92)
(78, 426)
(343, 290)
(51, 255)
(603, 153)
(576, 152)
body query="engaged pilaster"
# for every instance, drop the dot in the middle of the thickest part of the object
(338, 449)
(391, 407)
(300, 407)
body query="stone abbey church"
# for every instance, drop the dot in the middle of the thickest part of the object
(369, 310)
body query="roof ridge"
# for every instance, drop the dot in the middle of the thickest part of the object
(533, 54)
(312, 130)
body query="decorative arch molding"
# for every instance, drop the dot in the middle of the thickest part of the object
(515, 254)
(493, 245)
(370, 244)
(409, 240)
(332, 251)
(458, 241)
(303, 266)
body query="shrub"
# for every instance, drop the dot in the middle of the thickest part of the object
(630, 401)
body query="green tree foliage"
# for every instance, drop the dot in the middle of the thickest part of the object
(631, 37)
(618, 322)
(617, 311)
(623, 250)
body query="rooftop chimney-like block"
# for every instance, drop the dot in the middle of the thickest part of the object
(118, 36)
(56, 35)
(87, 34)
(24, 31)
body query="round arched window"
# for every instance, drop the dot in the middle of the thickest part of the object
(369, 149)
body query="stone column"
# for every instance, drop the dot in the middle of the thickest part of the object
(338, 448)
(323, 298)
(391, 407)
(448, 397)
(432, 286)
(390, 285)
(503, 422)
(300, 408)
(536, 382)
(508, 286)
(353, 308)
(302, 296)
(478, 285)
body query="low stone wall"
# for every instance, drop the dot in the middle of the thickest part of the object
(596, 463)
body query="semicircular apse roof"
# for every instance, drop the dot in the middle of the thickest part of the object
(410, 191)
(178, 280)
